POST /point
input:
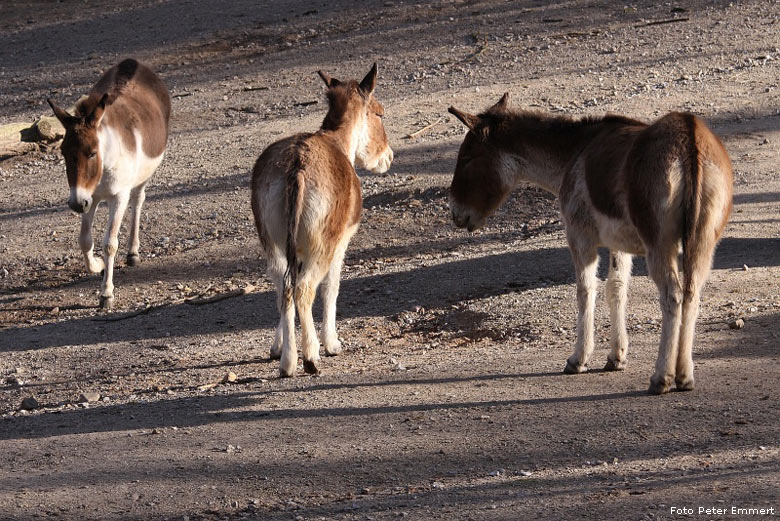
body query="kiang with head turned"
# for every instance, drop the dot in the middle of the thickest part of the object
(635, 188)
(307, 202)
(113, 143)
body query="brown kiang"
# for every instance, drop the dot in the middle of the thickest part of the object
(112, 145)
(623, 184)
(307, 202)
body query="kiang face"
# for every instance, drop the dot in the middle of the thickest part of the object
(484, 176)
(373, 150)
(83, 165)
(81, 151)
(376, 155)
(478, 186)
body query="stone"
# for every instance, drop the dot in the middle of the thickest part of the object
(737, 324)
(230, 378)
(29, 404)
(89, 397)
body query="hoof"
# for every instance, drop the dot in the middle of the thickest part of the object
(310, 367)
(106, 302)
(658, 386)
(283, 373)
(275, 354)
(334, 348)
(685, 384)
(133, 259)
(613, 365)
(574, 369)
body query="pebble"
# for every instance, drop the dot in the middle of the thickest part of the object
(737, 324)
(29, 403)
(230, 378)
(89, 397)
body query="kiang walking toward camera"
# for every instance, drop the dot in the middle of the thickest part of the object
(112, 145)
(306, 202)
(634, 188)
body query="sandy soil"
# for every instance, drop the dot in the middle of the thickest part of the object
(449, 402)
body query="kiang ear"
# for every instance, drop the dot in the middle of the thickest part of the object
(369, 82)
(329, 82)
(96, 116)
(66, 119)
(503, 103)
(470, 120)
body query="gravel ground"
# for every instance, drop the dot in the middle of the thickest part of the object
(449, 402)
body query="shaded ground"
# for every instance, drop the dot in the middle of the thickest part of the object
(448, 402)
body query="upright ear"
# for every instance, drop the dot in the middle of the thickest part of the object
(96, 116)
(329, 82)
(66, 119)
(502, 104)
(470, 120)
(369, 82)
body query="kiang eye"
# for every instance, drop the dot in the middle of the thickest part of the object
(93, 155)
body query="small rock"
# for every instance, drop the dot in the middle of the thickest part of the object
(496, 473)
(14, 381)
(745, 267)
(29, 404)
(526, 473)
(737, 324)
(230, 378)
(437, 484)
(89, 397)
(3, 273)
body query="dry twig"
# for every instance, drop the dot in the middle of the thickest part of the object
(426, 127)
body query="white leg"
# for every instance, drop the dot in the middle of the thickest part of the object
(663, 271)
(116, 210)
(617, 292)
(330, 293)
(683, 378)
(690, 311)
(276, 347)
(586, 261)
(288, 364)
(137, 198)
(310, 345)
(284, 346)
(94, 264)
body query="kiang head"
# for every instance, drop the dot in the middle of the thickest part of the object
(483, 175)
(353, 102)
(81, 151)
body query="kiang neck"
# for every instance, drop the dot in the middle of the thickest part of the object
(541, 147)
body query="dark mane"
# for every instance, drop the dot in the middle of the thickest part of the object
(113, 82)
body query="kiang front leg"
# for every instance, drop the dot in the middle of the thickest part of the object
(617, 293)
(94, 264)
(116, 209)
(137, 198)
(585, 259)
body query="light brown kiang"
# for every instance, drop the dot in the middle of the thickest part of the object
(306, 202)
(634, 188)
(112, 146)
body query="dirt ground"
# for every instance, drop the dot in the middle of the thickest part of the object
(449, 401)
